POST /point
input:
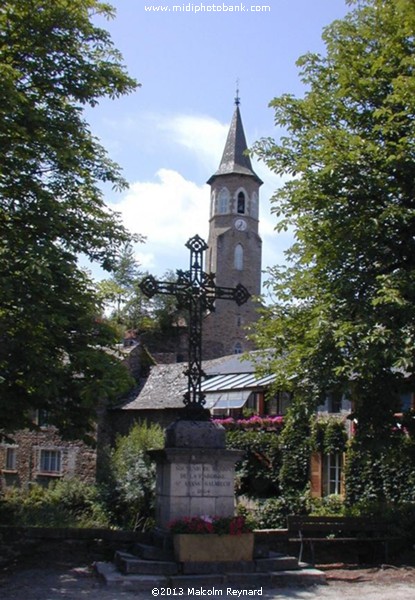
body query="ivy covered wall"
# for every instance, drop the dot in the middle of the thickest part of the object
(276, 466)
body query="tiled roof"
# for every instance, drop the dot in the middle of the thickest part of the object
(163, 389)
(234, 159)
(166, 384)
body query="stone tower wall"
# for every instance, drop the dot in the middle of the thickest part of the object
(225, 330)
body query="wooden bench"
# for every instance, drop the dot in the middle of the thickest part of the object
(313, 530)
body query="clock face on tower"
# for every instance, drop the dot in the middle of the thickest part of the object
(240, 224)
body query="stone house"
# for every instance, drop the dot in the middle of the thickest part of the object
(41, 455)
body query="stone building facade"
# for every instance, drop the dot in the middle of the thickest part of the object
(40, 456)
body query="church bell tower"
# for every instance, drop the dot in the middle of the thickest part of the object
(234, 252)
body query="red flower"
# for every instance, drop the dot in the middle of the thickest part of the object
(220, 525)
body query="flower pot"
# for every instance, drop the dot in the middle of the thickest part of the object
(212, 547)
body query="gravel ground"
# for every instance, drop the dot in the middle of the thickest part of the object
(37, 581)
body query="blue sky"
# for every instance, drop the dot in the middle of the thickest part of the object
(169, 135)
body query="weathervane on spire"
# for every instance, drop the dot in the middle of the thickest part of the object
(237, 99)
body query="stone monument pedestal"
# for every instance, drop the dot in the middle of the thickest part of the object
(195, 473)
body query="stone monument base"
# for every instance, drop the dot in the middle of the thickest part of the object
(195, 473)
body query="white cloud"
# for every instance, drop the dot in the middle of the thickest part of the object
(203, 136)
(171, 208)
(168, 211)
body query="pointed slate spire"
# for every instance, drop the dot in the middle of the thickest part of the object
(234, 159)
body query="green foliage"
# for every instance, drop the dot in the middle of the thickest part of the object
(273, 513)
(133, 475)
(295, 444)
(328, 435)
(328, 506)
(344, 315)
(163, 315)
(274, 469)
(257, 473)
(248, 514)
(68, 503)
(155, 319)
(54, 62)
(121, 293)
(383, 472)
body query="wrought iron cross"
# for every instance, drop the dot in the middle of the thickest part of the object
(196, 291)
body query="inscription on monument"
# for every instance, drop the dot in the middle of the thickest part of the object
(202, 479)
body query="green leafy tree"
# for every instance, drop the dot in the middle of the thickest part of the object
(132, 475)
(121, 293)
(165, 309)
(129, 308)
(54, 62)
(344, 314)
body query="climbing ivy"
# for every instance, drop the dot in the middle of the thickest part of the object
(382, 473)
(328, 435)
(295, 445)
(257, 473)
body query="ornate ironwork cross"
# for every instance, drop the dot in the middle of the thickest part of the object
(197, 292)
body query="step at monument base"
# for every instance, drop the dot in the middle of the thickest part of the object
(152, 567)
(275, 579)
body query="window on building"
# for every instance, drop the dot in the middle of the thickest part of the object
(241, 203)
(334, 402)
(255, 403)
(42, 418)
(223, 201)
(11, 459)
(50, 461)
(332, 475)
(406, 401)
(239, 258)
(278, 404)
(252, 404)
(238, 348)
(272, 406)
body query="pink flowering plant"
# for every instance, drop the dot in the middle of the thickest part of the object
(206, 524)
(254, 422)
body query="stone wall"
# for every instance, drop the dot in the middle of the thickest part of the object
(72, 459)
(86, 545)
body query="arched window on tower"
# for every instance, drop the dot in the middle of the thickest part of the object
(241, 203)
(223, 201)
(239, 257)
